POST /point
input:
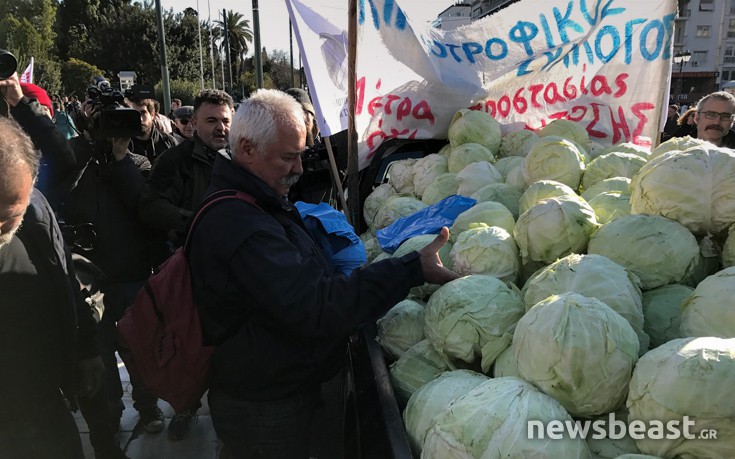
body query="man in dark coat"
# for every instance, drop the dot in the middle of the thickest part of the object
(269, 297)
(176, 186)
(47, 331)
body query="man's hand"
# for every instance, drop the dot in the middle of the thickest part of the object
(91, 372)
(434, 271)
(11, 90)
(120, 147)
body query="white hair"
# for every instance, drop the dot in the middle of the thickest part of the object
(259, 117)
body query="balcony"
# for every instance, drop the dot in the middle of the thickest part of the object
(684, 15)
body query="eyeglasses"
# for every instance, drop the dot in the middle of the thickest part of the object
(715, 115)
(184, 121)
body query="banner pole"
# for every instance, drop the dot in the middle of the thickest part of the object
(353, 183)
(337, 180)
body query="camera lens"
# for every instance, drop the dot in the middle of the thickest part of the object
(8, 64)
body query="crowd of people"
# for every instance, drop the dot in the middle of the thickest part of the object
(268, 296)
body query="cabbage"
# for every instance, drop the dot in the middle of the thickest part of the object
(637, 456)
(472, 126)
(445, 150)
(728, 249)
(592, 276)
(394, 208)
(695, 187)
(401, 327)
(376, 199)
(611, 165)
(473, 315)
(687, 377)
(490, 213)
(554, 228)
(382, 256)
(567, 129)
(543, 189)
(657, 250)
(487, 250)
(372, 247)
(505, 165)
(491, 422)
(706, 264)
(677, 144)
(517, 143)
(554, 158)
(426, 170)
(627, 147)
(612, 185)
(400, 175)
(444, 186)
(594, 149)
(515, 178)
(710, 310)
(608, 448)
(609, 206)
(433, 398)
(505, 194)
(505, 364)
(577, 350)
(662, 312)
(466, 154)
(416, 367)
(475, 176)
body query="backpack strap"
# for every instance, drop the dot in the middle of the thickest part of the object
(210, 202)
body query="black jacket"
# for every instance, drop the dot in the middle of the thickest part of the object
(177, 185)
(154, 146)
(260, 279)
(106, 193)
(69, 317)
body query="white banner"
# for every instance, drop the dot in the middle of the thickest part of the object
(27, 75)
(602, 63)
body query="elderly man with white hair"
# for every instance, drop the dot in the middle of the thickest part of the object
(267, 295)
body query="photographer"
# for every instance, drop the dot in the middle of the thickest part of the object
(105, 189)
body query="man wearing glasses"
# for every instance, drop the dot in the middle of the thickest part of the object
(714, 118)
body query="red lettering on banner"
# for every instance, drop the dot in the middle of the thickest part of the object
(578, 108)
(359, 95)
(422, 111)
(404, 109)
(599, 86)
(622, 85)
(595, 119)
(389, 104)
(535, 89)
(570, 91)
(619, 125)
(637, 110)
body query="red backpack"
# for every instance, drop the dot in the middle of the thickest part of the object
(160, 335)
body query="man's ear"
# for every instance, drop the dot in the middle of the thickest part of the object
(247, 150)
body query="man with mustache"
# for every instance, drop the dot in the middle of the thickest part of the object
(268, 297)
(714, 118)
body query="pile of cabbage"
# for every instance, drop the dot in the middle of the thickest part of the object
(596, 280)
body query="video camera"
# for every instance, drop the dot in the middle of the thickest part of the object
(113, 118)
(8, 64)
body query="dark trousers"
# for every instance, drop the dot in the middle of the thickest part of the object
(264, 430)
(118, 296)
(39, 426)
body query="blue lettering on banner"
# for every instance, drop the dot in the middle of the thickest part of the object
(399, 21)
(562, 23)
(613, 32)
(523, 32)
(489, 49)
(659, 26)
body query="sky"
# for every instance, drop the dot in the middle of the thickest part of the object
(273, 15)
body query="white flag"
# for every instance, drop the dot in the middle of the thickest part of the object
(27, 75)
(603, 64)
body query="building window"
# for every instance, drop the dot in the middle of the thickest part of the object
(732, 7)
(699, 58)
(706, 5)
(728, 74)
(704, 31)
(731, 28)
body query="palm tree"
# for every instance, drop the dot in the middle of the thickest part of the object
(240, 35)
